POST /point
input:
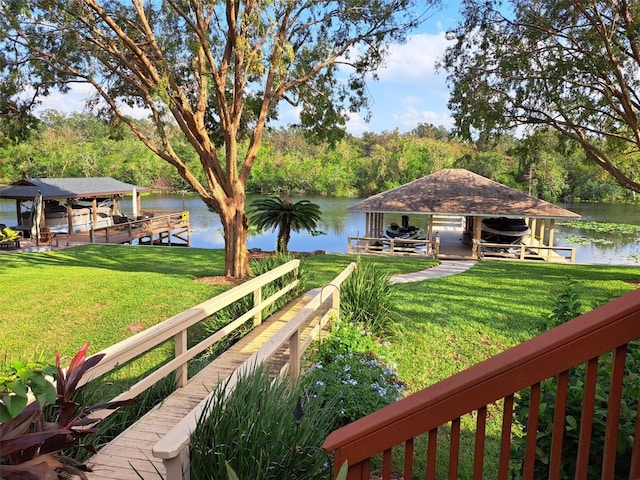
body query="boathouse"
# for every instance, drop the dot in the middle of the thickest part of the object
(89, 210)
(453, 203)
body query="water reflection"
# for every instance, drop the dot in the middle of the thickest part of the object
(338, 223)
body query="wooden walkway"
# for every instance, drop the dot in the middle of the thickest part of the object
(160, 229)
(132, 449)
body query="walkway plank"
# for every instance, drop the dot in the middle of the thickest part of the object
(131, 450)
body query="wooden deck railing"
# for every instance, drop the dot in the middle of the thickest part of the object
(173, 448)
(134, 229)
(499, 380)
(176, 328)
(391, 246)
(524, 252)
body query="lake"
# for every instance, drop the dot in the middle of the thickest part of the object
(338, 223)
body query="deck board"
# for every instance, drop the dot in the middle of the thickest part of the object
(132, 449)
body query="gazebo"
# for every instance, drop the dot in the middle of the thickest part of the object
(467, 195)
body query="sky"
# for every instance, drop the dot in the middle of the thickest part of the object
(409, 90)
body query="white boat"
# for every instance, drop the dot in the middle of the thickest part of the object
(56, 218)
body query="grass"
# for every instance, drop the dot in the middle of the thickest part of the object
(59, 300)
(451, 323)
(448, 324)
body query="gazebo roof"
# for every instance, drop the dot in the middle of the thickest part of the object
(52, 188)
(457, 191)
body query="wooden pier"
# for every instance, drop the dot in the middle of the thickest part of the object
(131, 451)
(152, 228)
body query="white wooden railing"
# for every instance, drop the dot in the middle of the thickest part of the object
(133, 228)
(392, 246)
(176, 328)
(523, 251)
(173, 448)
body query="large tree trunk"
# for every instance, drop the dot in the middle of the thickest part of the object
(234, 223)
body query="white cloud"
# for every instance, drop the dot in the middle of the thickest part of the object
(415, 59)
(75, 101)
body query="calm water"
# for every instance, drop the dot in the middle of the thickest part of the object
(338, 223)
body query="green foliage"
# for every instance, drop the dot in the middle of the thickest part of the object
(367, 298)
(628, 409)
(540, 164)
(567, 306)
(342, 474)
(255, 431)
(603, 227)
(499, 84)
(32, 443)
(20, 379)
(285, 215)
(359, 381)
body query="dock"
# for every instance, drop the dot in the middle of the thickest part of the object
(152, 228)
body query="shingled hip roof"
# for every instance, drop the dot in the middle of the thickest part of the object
(51, 188)
(460, 192)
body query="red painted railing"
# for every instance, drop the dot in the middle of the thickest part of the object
(499, 380)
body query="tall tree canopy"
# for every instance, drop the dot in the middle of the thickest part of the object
(218, 69)
(570, 65)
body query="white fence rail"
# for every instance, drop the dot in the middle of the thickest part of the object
(173, 448)
(177, 327)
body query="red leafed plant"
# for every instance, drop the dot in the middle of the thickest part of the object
(31, 445)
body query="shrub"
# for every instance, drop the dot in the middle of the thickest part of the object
(255, 430)
(347, 370)
(32, 442)
(366, 296)
(567, 306)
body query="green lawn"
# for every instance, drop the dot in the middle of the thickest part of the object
(61, 299)
(447, 324)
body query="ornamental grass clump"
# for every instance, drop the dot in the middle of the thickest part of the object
(264, 430)
(366, 296)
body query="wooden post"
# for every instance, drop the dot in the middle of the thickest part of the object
(257, 300)
(552, 230)
(180, 347)
(294, 357)
(18, 216)
(335, 302)
(94, 213)
(477, 235)
(70, 218)
(533, 226)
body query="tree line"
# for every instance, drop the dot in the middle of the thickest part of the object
(543, 164)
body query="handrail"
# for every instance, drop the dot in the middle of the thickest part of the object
(173, 447)
(392, 245)
(168, 219)
(609, 327)
(522, 253)
(176, 327)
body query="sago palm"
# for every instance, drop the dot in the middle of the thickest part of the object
(285, 215)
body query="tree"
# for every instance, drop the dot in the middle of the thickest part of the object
(285, 215)
(217, 69)
(569, 65)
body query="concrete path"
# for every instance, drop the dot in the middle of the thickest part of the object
(446, 267)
